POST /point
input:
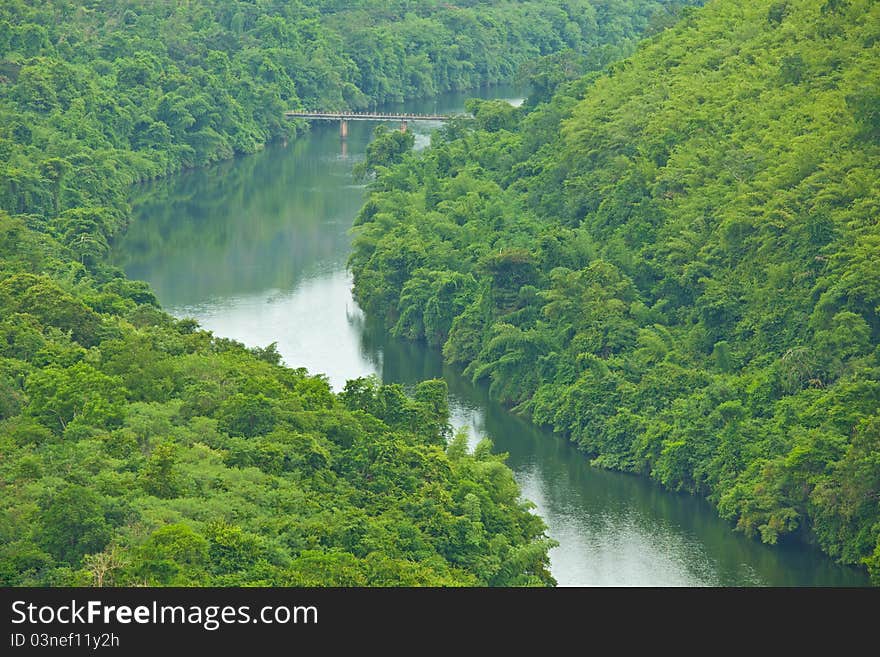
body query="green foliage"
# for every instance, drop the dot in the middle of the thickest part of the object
(94, 98)
(386, 149)
(159, 476)
(73, 523)
(288, 485)
(247, 415)
(161, 455)
(174, 554)
(59, 396)
(673, 262)
(492, 115)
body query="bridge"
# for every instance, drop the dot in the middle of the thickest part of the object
(345, 117)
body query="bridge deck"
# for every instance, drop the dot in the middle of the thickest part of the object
(366, 116)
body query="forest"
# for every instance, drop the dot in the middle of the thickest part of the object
(672, 261)
(138, 449)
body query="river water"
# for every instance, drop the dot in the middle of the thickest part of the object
(255, 249)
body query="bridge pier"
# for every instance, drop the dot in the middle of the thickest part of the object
(403, 126)
(343, 128)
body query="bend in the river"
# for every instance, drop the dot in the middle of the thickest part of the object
(256, 248)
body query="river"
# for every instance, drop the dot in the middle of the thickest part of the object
(255, 249)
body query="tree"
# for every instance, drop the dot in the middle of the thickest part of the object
(58, 396)
(73, 523)
(160, 476)
(104, 566)
(387, 148)
(247, 415)
(174, 554)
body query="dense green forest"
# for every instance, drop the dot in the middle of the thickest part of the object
(139, 449)
(97, 95)
(675, 262)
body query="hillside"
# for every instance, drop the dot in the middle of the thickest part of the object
(672, 262)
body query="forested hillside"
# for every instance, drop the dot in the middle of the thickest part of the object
(97, 95)
(138, 449)
(673, 262)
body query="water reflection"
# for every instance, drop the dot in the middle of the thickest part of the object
(255, 224)
(613, 529)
